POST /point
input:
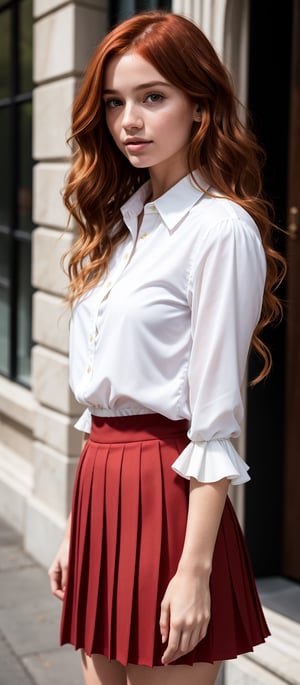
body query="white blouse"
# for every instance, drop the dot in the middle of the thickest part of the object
(168, 329)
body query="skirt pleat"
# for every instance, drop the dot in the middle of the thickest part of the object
(149, 550)
(128, 535)
(129, 515)
(111, 527)
(95, 545)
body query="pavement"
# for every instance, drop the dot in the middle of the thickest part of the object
(29, 621)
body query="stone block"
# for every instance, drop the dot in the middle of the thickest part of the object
(12, 502)
(53, 478)
(48, 182)
(57, 431)
(52, 106)
(16, 477)
(91, 25)
(16, 402)
(16, 438)
(48, 248)
(51, 318)
(50, 375)
(64, 40)
(41, 7)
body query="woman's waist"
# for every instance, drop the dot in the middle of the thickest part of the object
(135, 427)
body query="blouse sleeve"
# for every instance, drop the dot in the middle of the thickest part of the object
(84, 422)
(225, 295)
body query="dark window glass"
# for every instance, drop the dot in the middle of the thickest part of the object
(25, 46)
(5, 54)
(23, 306)
(25, 167)
(4, 257)
(15, 188)
(4, 328)
(5, 166)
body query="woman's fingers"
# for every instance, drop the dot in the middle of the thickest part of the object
(164, 621)
(183, 639)
(55, 575)
(185, 614)
(173, 644)
(58, 570)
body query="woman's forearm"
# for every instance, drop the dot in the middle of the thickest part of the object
(206, 504)
(185, 609)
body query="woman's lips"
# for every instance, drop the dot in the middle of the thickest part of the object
(137, 145)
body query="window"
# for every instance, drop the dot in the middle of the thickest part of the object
(121, 9)
(15, 188)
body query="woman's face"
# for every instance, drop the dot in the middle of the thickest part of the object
(149, 119)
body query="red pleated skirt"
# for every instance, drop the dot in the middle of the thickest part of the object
(128, 525)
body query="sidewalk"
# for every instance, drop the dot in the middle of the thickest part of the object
(29, 622)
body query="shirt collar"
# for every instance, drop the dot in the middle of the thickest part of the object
(131, 209)
(172, 205)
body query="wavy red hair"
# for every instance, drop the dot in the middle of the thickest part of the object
(221, 148)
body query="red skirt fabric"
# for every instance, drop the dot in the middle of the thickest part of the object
(128, 524)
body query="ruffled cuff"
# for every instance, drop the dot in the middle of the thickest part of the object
(84, 423)
(211, 461)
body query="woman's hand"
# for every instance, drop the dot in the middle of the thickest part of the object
(58, 570)
(185, 613)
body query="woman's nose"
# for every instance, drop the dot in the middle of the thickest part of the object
(132, 117)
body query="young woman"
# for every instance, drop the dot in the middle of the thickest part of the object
(172, 279)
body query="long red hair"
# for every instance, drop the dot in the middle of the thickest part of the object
(221, 148)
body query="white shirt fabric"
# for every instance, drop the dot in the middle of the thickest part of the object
(168, 329)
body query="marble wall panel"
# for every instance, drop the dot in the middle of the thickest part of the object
(64, 41)
(52, 106)
(48, 183)
(50, 381)
(48, 247)
(41, 7)
(57, 431)
(16, 403)
(53, 478)
(51, 318)
(19, 441)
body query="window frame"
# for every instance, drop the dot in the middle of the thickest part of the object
(17, 236)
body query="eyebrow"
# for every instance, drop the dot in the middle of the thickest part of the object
(141, 86)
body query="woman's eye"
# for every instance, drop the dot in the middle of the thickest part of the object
(112, 103)
(154, 97)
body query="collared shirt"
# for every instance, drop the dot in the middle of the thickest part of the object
(168, 329)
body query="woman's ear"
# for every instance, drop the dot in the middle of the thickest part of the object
(197, 113)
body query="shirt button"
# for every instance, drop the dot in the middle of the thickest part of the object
(144, 235)
(88, 369)
(126, 256)
(152, 207)
(109, 284)
(91, 338)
